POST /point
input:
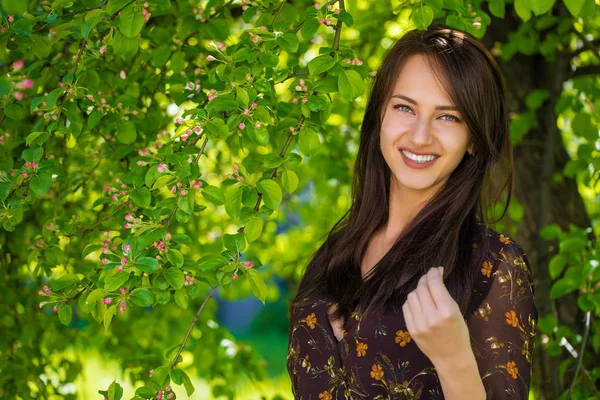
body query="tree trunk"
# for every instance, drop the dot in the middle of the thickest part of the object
(536, 160)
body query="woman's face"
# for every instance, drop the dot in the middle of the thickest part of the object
(420, 117)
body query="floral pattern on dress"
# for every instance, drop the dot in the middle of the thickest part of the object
(376, 358)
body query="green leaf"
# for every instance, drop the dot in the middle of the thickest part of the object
(147, 264)
(175, 257)
(321, 64)
(126, 132)
(540, 7)
(233, 201)
(14, 7)
(310, 27)
(536, 98)
(253, 229)
(523, 9)
(33, 154)
(269, 60)
(213, 194)
(141, 297)
(159, 375)
(583, 126)
(14, 111)
(40, 184)
(130, 22)
(65, 313)
(271, 192)
(556, 266)
(116, 280)
(288, 42)
(124, 47)
(175, 277)
(211, 261)
(185, 203)
(96, 295)
(115, 5)
(350, 84)
(257, 283)
(40, 46)
(216, 128)
(187, 383)
(141, 197)
(422, 16)
(218, 29)
(562, 287)
(289, 179)
(260, 136)
(181, 298)
(345, 17)
(236, 243)
(64, 281)
(574, 6)
(222, 103)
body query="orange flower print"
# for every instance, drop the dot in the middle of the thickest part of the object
(325, 395)
(504, 239)
(402, 338)
(361, 349)
(376, 372)
(512, 369)
(311, 321)
(511, 318)
(487, 268)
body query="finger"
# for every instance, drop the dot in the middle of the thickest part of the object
(425, 300)
(415, 311)
(437, 288)
(408, 318)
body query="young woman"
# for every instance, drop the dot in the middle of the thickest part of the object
(374, 317)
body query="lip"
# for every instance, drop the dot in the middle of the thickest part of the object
(416, 165)
(417, 152)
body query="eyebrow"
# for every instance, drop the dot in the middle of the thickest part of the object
(443, 108)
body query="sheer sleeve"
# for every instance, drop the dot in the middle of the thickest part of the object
(503, 325)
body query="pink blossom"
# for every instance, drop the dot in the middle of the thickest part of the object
(234, 277)
(161, 167)
(122, 74)
(126, 226)
(18, 96)
(304, 99)
(336, 11)
(317, 6)
(128, 217)
(17, 65)
(258, 124)
(11, 18)
(26, 84)
(127, 247)
(120, 268)
(106, 300)
(322, 21)
(123, 290)
(102, 50)
(55, 309)
(241, 125)
(150, 373)
(168, 236)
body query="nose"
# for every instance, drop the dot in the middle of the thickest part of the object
(421, 135)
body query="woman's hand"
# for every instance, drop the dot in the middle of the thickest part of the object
(434, 320)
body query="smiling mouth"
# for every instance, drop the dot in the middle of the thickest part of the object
(418, 158)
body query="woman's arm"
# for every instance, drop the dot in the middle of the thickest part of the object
(460, 378)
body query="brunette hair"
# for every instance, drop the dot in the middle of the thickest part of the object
(443, 232)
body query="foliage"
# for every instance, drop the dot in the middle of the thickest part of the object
(150, 151)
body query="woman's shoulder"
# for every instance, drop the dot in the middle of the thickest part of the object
(495, 243)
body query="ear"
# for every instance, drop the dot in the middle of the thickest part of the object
(471, 147)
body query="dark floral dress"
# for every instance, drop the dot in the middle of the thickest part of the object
(376, 358)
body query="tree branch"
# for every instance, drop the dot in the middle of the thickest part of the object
(585, 70)
(587, 45)
(187, 335)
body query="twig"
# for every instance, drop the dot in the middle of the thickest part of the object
(587, 45)
(278, 11)
(338, 29)
(580, 359)
(187, 335)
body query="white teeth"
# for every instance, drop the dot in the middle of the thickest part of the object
(416, 158)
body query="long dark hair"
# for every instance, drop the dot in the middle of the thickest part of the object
(443, 232)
